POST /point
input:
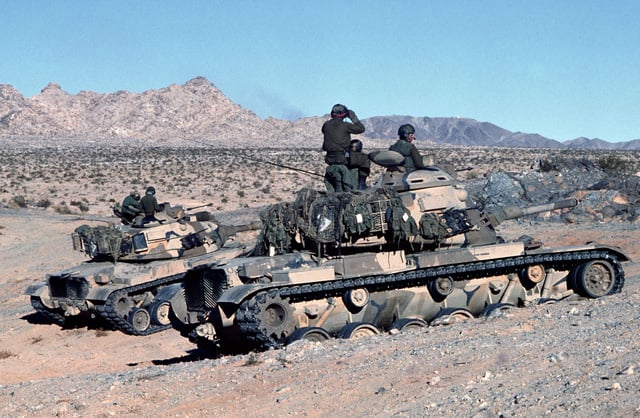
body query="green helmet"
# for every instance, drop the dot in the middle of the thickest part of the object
(405, 130)
(339, 110)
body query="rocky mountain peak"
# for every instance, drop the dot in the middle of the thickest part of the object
(52, 88)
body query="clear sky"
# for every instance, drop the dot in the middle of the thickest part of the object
(560, 68)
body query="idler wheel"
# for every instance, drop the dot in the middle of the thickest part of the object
(355, 299)
(448, 316)
(440, 288)
(594, 278)
(140, 319)
(409, 324)
(315, 334)
(160, 312)
(358, 330)
(531, 275)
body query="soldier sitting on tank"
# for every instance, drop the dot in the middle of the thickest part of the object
(337, 137)
(359, 164)
(404, 145)
(149, 205)
(130, 206)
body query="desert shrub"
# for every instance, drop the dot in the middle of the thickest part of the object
(43, 203)
(62, 208)
(240, 193)
(614, 165)
(82, 205)
(20, 201)
(547, 165)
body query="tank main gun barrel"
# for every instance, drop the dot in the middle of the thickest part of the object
(513, 212)
(198, 207)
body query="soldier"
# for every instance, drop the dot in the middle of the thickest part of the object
(130, 206)
(149, 205)
(337, 137)
(404, 145)
(359, 164)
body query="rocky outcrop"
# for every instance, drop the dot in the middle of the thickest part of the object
(198, 111)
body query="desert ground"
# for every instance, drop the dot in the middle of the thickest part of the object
(576, 357)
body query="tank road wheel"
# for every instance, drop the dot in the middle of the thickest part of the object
(160, 311)
(355, 299)
(275, 316)
(440, 288)
(495, 309)
(315, 334)
(531, 275)
(140, 319)
(448, 316)
(409, 324)
(594, 278)
(358, 330)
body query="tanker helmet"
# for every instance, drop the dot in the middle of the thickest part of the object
(356, 144)
(339, 110)
(150, 190)
(405, 130)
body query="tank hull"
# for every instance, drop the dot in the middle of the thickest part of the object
(134, 298)
(368, 293)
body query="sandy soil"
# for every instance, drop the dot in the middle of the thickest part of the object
(572, 358)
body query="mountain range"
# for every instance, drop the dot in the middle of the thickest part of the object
(198, 112)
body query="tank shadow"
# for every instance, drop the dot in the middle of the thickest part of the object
(191, 356)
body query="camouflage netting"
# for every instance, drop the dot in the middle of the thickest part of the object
(333, 219)
(100, 241)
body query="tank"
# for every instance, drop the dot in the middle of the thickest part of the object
(134, 270)
(410, 252)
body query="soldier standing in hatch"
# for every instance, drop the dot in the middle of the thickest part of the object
(130, 207)
(337, 137)
(404, 145)
(359, 164)
(149, 205)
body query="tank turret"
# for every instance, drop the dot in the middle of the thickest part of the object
(176, 233)
(419, 210)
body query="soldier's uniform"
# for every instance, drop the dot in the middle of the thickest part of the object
(337, 137)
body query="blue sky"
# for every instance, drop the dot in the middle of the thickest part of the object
(563, 69)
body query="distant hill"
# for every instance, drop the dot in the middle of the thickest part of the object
(198, 112)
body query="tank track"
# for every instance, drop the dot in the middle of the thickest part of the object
(109, 314)
(248, 314)
(56, 318)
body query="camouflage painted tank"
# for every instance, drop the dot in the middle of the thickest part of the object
(134, 270)
(410, 252)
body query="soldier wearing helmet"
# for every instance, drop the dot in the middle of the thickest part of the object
(404, 145)
(337, 137)
(130, 207)
(359, 164)
(149, 205)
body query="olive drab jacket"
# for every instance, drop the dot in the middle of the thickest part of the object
(337, 136)
(412, 157)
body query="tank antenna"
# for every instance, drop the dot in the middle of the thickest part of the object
(258, 160)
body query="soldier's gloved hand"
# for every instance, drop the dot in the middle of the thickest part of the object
(352, 114)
